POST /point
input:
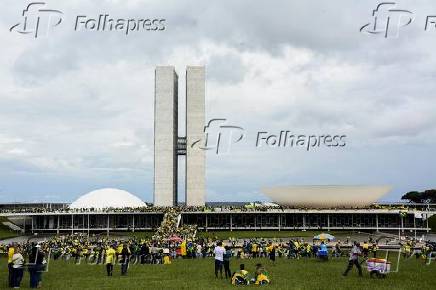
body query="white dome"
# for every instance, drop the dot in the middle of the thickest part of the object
(107, 197)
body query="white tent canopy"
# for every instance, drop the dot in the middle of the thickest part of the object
(108, 197)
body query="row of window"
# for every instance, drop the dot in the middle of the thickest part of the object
(151, 221)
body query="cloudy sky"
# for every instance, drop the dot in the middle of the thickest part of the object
(76, 107)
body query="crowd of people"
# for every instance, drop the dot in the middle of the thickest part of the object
(409, 249)
(171, 230)
(172, 241)
(80, 248)
(17, 255)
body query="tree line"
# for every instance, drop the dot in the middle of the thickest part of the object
(426, 196)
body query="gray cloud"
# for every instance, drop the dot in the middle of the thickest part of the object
(81, 103)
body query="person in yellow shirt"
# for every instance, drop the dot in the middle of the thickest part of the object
(183, 249)
(110, 259)
(11, 252)
(308, 250)
(365, 250)
(167, 260)
(119, 248)
(374, 249)
(297, 249)
(408, 250)
(240, 277)
(254, 250)
(261, 275)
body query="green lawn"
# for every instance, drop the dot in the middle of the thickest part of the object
(266, 234)
(224, 235)
(198, 274)
(6, 232)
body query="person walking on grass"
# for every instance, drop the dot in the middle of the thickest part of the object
(11, 251)
(219, 259)
(272, 253)
(226, 260)
(110, 259)
(36, 266)
(125, 257)
(17, 267)
(354, 259)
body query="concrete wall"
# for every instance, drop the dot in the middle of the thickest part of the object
(165, 136)
(195, 121)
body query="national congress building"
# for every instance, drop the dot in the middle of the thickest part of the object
(297, 207)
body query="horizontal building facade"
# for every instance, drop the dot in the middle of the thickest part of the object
(364, 220)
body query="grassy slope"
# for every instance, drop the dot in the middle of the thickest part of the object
(6, 232)
(265, 234)
(198, 274)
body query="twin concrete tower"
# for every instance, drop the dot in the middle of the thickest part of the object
(168, 146)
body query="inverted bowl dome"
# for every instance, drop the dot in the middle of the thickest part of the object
(326, 196)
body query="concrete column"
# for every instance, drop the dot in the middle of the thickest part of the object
(32, 223)
(231, 223)
(133, 222)
(108, 225)
(414, 224)
(72, 224)
(206, 222)
(427, 217)
(376, 222)
(279, 221)
(352, 221)
(402, 223)
(58, 226)
(88, 225)
(255, 222)
(304, 221)
(328, 222)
